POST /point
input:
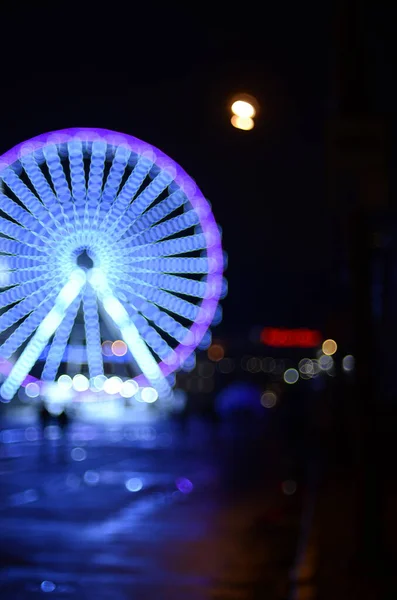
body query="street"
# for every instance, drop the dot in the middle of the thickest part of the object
(154, 510)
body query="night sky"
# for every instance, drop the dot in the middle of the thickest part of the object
(168, 80)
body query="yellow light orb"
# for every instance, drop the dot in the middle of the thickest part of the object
(244, 123)
(329, 347)
(243, 109)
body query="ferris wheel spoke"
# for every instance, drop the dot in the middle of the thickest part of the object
(127, 193)
(47, 196)
(18, 292)
(164, 321)
(45, 330)
(164, 299)
(130, 334)
(13, 247)
(19, 214)
(172, 283)
(157, 213)
(77, 176)
(162, 230)
(181, 245)
(59, 182)
(60, 341)
(183, 264)
(23, 262)
(113, 182)
(92, 333)
(40, 272)
(33, 204)
(152, 338)
(95, 179)
(26, 306)
(25, 329)
(144, 200)
(20, 234)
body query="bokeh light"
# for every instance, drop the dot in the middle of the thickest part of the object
(243, 108)
(184, 485)
(47, 586)
(119, 348)
(348, 363)
(80, 383)
(244, 123)
(129, 388)
(149, 395)
(329, 347)
(98, 382)
(78, 454)
(134, 484)
(113, 385)
(215, 352)
(32, 390)
(326, 362)
(65, 382)
(289, 487)
(91, 477)
(268, 399)
(107, 348)
(268, 364)
(291, 376)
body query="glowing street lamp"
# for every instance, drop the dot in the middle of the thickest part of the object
(244, 109)
(244, 123)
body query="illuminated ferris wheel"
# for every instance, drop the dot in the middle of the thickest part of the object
(101, 227)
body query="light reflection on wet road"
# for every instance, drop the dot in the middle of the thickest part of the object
(148, 511)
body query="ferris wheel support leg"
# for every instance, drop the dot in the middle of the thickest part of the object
(136, 345)
(46, 329)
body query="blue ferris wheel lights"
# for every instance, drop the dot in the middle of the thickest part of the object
(133, 218)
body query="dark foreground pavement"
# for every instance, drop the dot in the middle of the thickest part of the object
(146, 511)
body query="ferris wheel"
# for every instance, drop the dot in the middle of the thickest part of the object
(97, 227)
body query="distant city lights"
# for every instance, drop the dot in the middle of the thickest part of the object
(290, 338)
(268, 399)
(215, 352)
(326, 362)
(348, 363)
(291, 376)
(329, 347)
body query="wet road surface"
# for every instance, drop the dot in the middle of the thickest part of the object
(146, 511)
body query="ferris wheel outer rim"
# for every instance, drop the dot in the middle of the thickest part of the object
(187, 184)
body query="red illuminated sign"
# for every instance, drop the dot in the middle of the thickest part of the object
(290, 338)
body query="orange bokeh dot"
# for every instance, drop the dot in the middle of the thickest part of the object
(216, 352)
(119, 348)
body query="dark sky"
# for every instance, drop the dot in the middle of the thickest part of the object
(167, 77)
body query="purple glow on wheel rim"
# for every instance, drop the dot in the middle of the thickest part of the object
(196, 199)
